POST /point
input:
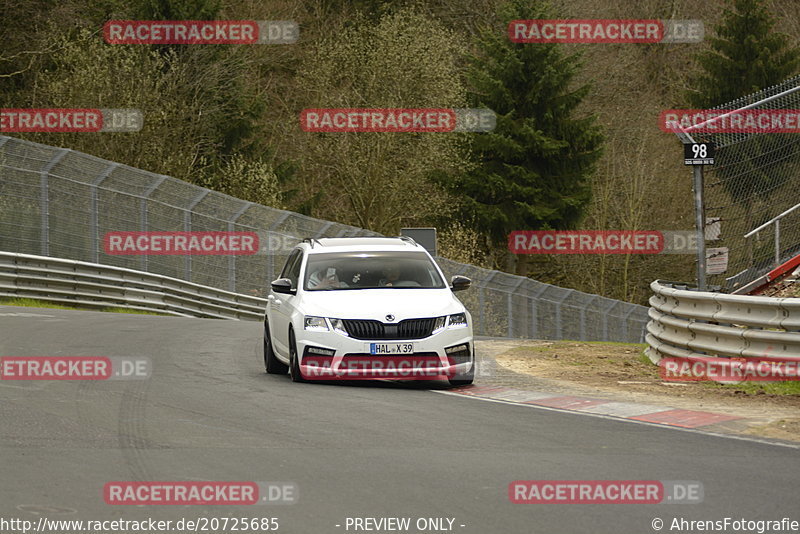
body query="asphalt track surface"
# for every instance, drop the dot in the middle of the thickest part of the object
(380, 449)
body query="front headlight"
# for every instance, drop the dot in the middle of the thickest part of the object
(315, 323)
(457, 320)
(338, 326)
(439, 324)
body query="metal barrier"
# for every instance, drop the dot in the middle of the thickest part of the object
(61, 203)
(697, 324)
(91, 285)
(754, 177)
(776, 223)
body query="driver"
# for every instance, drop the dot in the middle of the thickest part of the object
(325, 278)
(391, 275)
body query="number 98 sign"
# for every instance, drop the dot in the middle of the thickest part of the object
(698, 153)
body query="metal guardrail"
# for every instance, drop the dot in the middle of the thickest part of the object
(61, 203)
(754, 177)
(776, 222)
(92, 285)
(697, 324)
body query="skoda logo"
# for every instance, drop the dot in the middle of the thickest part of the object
(390, 317)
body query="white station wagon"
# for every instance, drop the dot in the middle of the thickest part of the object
(367, 308)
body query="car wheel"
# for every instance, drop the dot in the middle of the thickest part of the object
(294, 363)
(271, 363)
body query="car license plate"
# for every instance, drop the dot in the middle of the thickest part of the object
(391, 348)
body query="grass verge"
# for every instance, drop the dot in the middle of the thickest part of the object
(35, 303)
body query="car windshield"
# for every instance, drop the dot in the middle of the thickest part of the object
(370, 270)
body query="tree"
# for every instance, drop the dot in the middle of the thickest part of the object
(746, 55)
(380, 181)
(532, 172)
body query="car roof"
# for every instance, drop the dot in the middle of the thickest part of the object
(343, 244)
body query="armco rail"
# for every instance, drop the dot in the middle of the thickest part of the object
(697, 324)
(60, 203)
(101, 286)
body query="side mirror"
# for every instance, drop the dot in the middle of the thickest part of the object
(460, 283)
(283, 285)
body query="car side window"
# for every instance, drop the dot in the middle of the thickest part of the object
(294, 270)
(288, 265)
(291, 269)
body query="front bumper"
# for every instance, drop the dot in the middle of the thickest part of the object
(333, 356)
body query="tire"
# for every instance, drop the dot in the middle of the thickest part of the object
(294, 364)
(272, 364)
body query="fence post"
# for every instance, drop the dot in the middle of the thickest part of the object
(534, 331)
(511, 309)
(232, 257)
(582, 315)
(482, 302)
(625, 324)
(559, 324)
(95, 224)
(700, 225)
(270, 256)
(187, 227)
(604, 320)
(322, 230)
(144, 221)
(44, 199)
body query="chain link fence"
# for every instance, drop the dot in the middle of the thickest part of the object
(756, 176)
(60, 203)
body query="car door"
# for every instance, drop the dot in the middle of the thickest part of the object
(282, 305)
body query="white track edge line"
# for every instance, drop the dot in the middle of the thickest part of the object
(625, 419)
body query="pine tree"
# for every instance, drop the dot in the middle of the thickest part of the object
(746, 55)
(532, 170)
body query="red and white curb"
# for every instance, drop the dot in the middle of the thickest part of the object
(648, 413)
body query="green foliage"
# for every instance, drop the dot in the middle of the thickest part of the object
(176, 9)
(381, 181)
(199, 108)
(533, 169)
(746, 55)
(226, 117)
(251, 180)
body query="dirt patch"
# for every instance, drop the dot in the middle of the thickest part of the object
(788, 288)
(788, 429)
(622, 370)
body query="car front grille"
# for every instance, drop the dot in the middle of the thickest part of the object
(376, 330)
